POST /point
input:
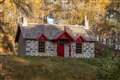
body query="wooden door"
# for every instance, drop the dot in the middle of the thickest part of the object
(60, 50)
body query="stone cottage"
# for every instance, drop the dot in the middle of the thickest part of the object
(55, 40)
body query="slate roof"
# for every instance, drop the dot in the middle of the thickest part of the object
(51, 31)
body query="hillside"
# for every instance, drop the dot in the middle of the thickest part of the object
(44, 68)
(56, 68)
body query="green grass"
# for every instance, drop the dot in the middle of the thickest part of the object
(46, 68)
(105, 67)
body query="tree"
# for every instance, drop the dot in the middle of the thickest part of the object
(73, 11)
(2, 1)
(113, 13)
(24, 9)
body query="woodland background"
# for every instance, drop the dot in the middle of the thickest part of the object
(104, 18)
(103, 15)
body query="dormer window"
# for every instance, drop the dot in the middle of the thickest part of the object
(42, 39)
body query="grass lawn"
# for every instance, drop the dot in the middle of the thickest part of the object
(46, 68)
(55, 68)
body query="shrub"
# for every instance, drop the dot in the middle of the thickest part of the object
(108, 69)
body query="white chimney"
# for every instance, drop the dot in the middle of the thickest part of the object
(24, 21)
(50, 20)
(86, 23)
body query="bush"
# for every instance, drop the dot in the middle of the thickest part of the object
(1, 77)
(108, 69)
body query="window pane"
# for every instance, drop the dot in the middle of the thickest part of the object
(78, 48)
(62, 41)
(41, 46)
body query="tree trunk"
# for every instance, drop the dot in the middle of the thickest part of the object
(8, 43)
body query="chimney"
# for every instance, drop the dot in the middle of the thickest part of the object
(50, 20)
(24, 21)
(86, 24)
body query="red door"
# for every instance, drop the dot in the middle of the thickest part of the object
(60, 50)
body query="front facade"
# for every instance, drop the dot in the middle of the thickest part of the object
(55, 40)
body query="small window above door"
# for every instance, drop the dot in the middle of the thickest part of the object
(62, 41)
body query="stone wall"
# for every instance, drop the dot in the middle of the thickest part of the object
(51, 49)
(31, 47)
(87, 50)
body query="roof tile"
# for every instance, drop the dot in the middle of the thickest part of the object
(51, 31)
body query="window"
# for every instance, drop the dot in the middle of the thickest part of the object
(78, 48)
(41, 46)
(62, 41)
